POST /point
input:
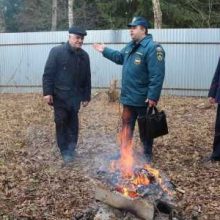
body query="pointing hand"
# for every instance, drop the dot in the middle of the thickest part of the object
(99, 47)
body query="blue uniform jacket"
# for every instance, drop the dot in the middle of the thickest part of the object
(143, 70)
(214, 91)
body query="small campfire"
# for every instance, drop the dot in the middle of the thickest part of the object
(128, 182)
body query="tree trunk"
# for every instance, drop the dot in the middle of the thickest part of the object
(54, 15)
(70, 12)
(2, 21)
(157, 14)
(113, 92)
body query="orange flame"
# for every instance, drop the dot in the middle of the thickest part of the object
(141, 180)
(155, 172)
(126, 160)
(125, 165)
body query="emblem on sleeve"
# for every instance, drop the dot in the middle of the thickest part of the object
(160, 55)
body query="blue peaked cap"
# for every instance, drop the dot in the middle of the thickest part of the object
(139, 21)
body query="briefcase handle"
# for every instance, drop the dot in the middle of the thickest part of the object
(151, 110)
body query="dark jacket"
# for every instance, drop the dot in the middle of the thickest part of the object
(214, 90)
(67, 75)
(143, 70)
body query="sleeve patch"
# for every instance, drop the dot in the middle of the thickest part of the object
(160, 55)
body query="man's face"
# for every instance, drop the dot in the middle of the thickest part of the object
(137, 32)
(75, 40)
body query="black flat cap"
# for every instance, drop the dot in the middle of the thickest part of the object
(139, 21)
(77, 30)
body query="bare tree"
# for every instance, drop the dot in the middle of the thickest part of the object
(157, 14)
(210, 12)
(70, 12)
(54, 15)
(205, 15)
(2, 21)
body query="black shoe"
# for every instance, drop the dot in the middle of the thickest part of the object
(216, 158)
(67, 158)
(149, 158)
(210, 159)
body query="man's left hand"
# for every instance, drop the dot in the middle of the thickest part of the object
(212, 100)
(151, 103)
(84, 104)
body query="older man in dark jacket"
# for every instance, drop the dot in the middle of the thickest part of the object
(214, 97)
(67, 84)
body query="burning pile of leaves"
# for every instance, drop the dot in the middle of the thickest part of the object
(35, 185)
(133, 177)
(143, 181)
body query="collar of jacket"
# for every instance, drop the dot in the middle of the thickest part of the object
(72, 49)
(78, 52)
(144, 42)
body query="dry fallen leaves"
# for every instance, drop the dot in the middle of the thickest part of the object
(35, 185)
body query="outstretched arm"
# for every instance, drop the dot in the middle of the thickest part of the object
(113, 55)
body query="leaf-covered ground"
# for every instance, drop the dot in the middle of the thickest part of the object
(35, 185)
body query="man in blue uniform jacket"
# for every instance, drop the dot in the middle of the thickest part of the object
(214, 97)
(142, 75)
(66, 85)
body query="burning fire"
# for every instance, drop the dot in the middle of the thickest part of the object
(131, 179)
(141, 180)
(126, 160)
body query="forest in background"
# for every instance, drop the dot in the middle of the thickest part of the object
(46, 15)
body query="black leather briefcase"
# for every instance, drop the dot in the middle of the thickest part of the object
(153, 124)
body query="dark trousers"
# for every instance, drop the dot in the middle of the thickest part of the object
(67, 126)
(216, 143)
(129, 118)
